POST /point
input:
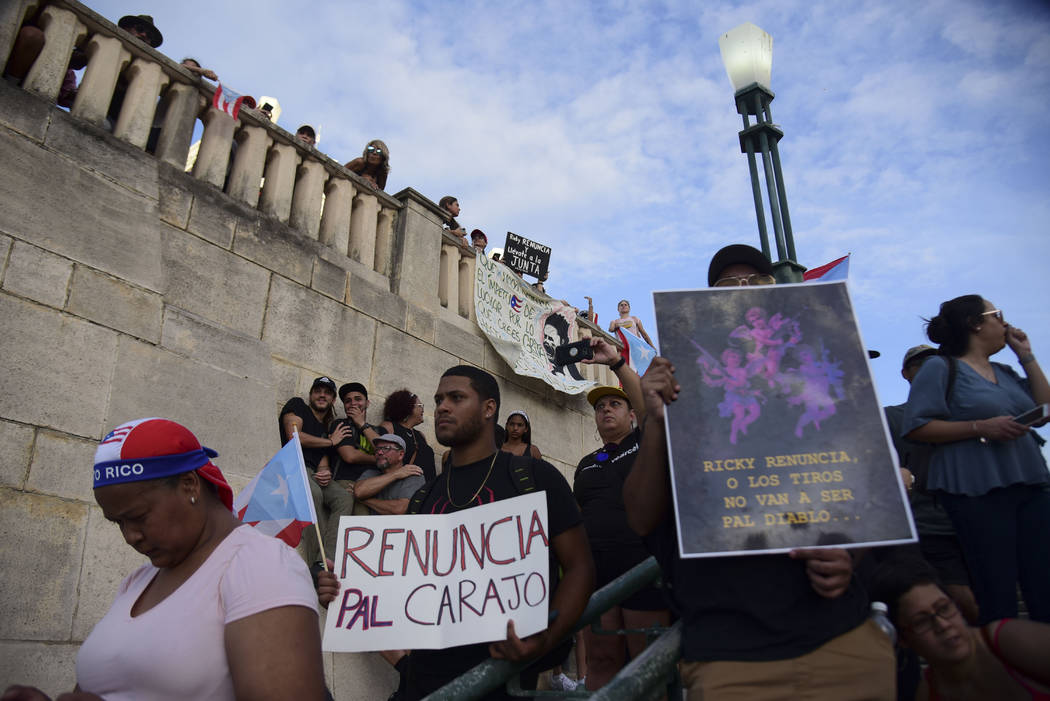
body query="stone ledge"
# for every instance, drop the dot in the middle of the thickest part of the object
(277, 247)
(329, 279)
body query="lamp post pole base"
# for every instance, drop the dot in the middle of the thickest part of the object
(788, 271)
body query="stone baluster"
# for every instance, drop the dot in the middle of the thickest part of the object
(280, 181)
(307, 197)
(12, 13)
(249, 163)
(62, 31)
(184, 103)
(467, 262)
(214, 153)
(384, 240)
(107, 57)
(448, 277)
(145, 81)
(335, 217)
(363, 228)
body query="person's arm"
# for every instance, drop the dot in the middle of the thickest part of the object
(606, 354)
(613, 324)
(387, 507)
(368, 430)
(1023, 644)
(276, 654)
(1037, 383)
(642, 333)
(570, 598)
(355, 456)
(369, 487)
(997, 428)
(294, 424)
(647, 489)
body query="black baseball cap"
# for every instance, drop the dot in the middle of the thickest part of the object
(352, 387)
(325, 382)
(737, 253)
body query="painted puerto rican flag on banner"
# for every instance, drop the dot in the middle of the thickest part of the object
(837, 269)
(636, 351)
(277, 502)
(226, 100)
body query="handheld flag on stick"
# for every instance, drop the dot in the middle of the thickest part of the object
(837, 269)
(636, 351)
(226, 100)
(277, 501)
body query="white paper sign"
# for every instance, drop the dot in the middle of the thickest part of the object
(436, 581)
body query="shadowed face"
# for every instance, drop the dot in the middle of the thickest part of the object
(354, 400)
(931, 625)
(155, 518)
(459, 412)
(516, 427)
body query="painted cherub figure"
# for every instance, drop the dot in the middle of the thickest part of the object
(769, 338)
(733, 375)
(818, 378)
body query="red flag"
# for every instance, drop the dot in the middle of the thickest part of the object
(227, 101)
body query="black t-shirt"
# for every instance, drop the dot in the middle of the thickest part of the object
(432, 669)
(349, 470)
(311, 427)
(417, 451)
(598, 487)
(751, 608)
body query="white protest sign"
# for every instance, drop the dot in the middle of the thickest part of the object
(525, 327)
(436, 581)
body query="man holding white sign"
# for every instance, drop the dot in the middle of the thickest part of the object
(498, 539)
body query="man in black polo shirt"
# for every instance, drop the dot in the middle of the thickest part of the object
(313, 422)
(466, 413)
(756, 626)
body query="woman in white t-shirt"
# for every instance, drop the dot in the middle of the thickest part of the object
(221, 612)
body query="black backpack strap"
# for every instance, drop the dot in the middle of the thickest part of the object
(522, 473)
(416, 502)
(953, 370)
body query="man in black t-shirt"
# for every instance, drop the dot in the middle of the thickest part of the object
(755, 626)
(312, 422)
(466, 413)
(355, 451)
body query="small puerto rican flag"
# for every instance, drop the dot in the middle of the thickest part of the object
(226, 100)
(636, 352)
(837, 269)
(277, 502)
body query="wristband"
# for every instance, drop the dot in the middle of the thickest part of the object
(618, 364)
(1026, 358)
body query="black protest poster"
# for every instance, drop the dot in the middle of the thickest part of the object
(777, 440)
(526, 256)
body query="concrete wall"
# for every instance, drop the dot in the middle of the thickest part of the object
(127, 289)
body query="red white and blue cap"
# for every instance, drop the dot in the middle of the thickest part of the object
(154, 448)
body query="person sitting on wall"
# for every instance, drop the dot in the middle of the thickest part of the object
(628, 322)
(451, 205)
(355, 453)
(402, 412)
(386, 488)
(373, 164)
(307, 135)
(313, 422)
(142, 28)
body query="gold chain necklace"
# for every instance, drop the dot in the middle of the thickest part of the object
(448, 484)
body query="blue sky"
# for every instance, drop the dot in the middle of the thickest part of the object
(915, 134)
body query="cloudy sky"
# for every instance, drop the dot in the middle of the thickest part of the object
(608, 132)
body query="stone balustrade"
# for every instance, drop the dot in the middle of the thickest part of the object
(302, 187)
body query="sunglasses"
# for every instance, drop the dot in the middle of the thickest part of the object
(750, 280)
(997, 313)
(374, 149)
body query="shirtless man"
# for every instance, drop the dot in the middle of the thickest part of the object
(628, 322)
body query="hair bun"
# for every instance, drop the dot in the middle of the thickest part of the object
(937, 329)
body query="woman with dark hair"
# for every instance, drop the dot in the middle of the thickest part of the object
(519, 436)
(402, 412)
(373, 164)
(1004, 659)
(987, 469)
(220, 611)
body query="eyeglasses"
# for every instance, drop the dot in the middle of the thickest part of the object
(374, 149)
(750, 280)
(944, 610)
(387, 448)
(419, 404)
(997, 313)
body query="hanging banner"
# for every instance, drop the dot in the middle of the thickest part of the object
(437, 581)
(525, 327)
(777, 439)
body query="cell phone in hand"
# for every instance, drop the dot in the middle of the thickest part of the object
(573, 352)
(1033, 415)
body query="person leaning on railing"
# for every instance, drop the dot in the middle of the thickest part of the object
(373, 164)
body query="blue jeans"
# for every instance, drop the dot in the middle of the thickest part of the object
(1005, 538)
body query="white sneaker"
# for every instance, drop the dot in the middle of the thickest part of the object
(560, 682)
(581, 684)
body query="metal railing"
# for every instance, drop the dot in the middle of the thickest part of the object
(651, 674)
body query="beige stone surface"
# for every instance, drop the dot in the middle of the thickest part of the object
(184, 102)
(466, 346)
(41, 276)
(105, 300)
(173, 205)
(363, 675)
(62, 30)
(335, 217)
(5, 249)
(329, 279)
(53, 204)
(420, 372)
(40, 535)
(108, 559)
(61, 466)
(95, 92)
(307, 328)
(377, 301)
(238, 354)
(216, 284)
(145, 81)
(17, 440)
(214, 216)
(285, 382)
(415, 269)
(214, 153)
(275, 246)
(23, 112)
(276, 198)
(47, 666)
(363, 221)
(419, 322)
(44, 351)
(248, 164)
(307, 197)
(230, 414)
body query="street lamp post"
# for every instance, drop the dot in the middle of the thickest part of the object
(747, 53)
